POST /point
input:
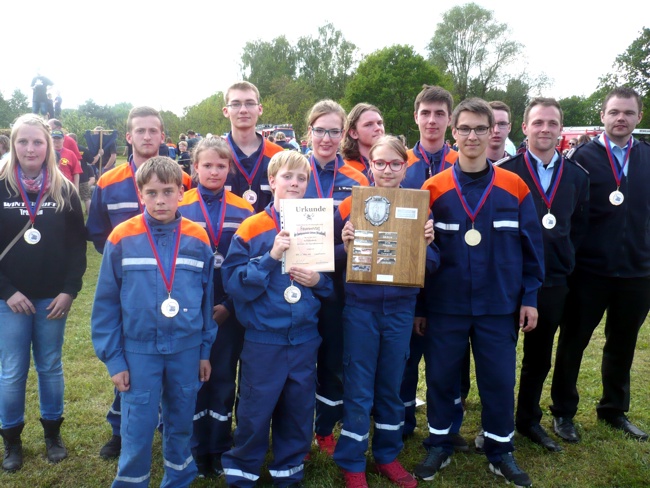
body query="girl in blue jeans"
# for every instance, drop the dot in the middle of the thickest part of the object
(43, 251)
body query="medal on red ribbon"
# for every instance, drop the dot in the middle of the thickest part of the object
(616, 197)
(549, 220)
(214, 237)
(32, 236)
(472, 236)
(292, 293)
(249, 195)
(169, 307)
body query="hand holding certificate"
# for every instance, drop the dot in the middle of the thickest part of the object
(310, 224)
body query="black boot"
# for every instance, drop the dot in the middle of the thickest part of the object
(13, 459)
(56, 451)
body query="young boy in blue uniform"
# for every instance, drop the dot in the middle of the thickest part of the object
(152, 325)
(278, 360)
(491, 267)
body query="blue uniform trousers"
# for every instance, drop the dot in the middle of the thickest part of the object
(329, 390)
(376, 347)
(278, 386)
(494, 340)
(114, 415)
(215, 400)
(170, 379)
(408, 390)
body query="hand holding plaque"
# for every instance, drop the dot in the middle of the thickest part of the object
(386, 249)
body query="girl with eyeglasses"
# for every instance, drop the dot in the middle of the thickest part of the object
(377, 325)
(331, 178)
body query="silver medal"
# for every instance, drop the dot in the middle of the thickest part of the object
(292, 294)
(472, 237)
(32, 236)
(218, 260)
(616, 198)
(250, 196)
(169, 307)
(549, 221)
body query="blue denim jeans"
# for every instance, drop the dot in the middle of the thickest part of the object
(20, 333)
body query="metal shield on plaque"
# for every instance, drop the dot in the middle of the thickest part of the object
(377, 210)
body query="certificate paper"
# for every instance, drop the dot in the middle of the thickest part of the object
(310, 222)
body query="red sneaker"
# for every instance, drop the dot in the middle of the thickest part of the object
(326, 444)
(397, 474)
(355, 480)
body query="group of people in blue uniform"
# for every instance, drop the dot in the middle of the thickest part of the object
(192, 304)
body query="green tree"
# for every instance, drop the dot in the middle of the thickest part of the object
(264, 62)
(390, 79)
(579, 111)
(632, 68)
(474, 48)
(297, 97)
(15, 106)
(206, 116)
(78, 122)
(18, 103)
(326, 62)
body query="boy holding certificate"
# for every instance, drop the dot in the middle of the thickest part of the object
(152, 324)
(280, 314)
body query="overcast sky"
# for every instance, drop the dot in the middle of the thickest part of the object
(171, 55)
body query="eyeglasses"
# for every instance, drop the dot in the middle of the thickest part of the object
(502, 125)
(572, 144)
(319, 133)
(481, 130)
(238, 105)
(380, 165)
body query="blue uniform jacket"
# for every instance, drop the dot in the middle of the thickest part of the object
(419, 170)
(571, 209)
(506, 269)
(376, 298)
(617, 243)
(115, 200)
(237, 183)
(346, 178)
(237, 210)
(255, 282)
(126, 313)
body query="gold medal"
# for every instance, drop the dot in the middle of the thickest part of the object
(292, 294)
(169, 308)
(472, 237)
(32, 236)
(616, 198)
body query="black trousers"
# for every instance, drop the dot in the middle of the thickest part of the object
(538, 351)
(627, 301)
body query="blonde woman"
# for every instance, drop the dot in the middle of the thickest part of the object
(41, 273)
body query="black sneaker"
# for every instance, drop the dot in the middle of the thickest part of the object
(508, 468)
(202, 466)
(215, 464)
(459, 443)
(112, 448)
(435, 460)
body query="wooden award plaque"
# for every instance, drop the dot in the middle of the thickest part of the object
(389, 246)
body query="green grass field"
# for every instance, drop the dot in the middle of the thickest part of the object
(603, 459)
